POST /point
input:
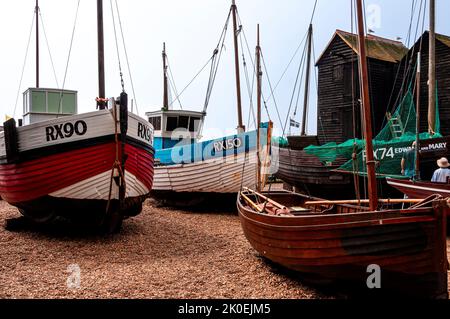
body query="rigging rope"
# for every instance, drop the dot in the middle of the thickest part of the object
(68, 57)
(126, 57)
(24, 65)
(172, 82)
(48, 49)
(117, 46)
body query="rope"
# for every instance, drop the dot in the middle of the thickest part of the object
(126, 57)
(272, 93)
(117, 163)
(48, 49)
(24, 65)
(293, 93)
(68, 57)
(117, 47)
(195, 77)
(172, 83)
(215, 62)
(250, 88)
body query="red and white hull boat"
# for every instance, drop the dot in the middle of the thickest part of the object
(86, 165)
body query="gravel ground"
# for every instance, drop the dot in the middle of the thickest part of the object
(160, 254)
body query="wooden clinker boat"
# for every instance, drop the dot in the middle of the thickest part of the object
(339, 242)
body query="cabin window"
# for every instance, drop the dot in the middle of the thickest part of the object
(172, 123)
(193, 124)
(183, 122)
(39, 102)
(338, 73)
(156, 122)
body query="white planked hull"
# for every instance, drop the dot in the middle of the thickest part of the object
(219, 175)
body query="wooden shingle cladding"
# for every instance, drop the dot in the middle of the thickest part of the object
(442, 78)
(338, 93)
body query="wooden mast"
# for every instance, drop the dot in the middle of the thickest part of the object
(37, 42)
(372, 182)
(308, 76)
(417, 150)
(258, 120)
(241, 127)
(432, 70)
(166, 92)
(101, 57)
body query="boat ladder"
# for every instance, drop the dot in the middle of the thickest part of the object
(396, 126)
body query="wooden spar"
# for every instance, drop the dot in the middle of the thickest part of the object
(364, 201)
(308, 76)
(372, 180)
(166, 87)
(252, 203)
(241, 127)
(432, 70)
(258, 120)
(417, 150)
(37, 43)
(265, 198)
(101, 57)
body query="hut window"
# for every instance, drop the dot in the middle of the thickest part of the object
(156, 122)
(349, 78)
(193, 124)
(183, 122)
(172, 123)
(334, 117)
(338, 73)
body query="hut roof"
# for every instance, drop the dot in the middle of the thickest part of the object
(377, 47)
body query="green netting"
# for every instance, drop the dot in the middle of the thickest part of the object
(389, 145)
(280, 141)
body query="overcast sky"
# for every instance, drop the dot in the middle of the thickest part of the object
(191, 30)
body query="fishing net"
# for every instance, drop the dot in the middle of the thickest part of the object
(389, 145)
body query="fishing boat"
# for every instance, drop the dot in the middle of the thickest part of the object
(185, 165)
(93, 166)
(345, 241)
(336, 111)
(428, 150)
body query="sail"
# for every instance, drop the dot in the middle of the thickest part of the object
(390, 144)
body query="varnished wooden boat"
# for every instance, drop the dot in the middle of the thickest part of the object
(309, 175)
(340, 242)
(420, 189)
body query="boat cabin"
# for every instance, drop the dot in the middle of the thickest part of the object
(46, 104)
(174, 126)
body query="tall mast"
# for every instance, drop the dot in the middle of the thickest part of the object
(241, 127)
(308, 75)
(101, 57)
(258, 120)
(37, 42)
(166, 93)
(372, 182)
(432, 70)
(417, 150)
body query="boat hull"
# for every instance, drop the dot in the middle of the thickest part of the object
(420, 190)
(77, 175)
(410, 249)
(209, 167)
(307, 174)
